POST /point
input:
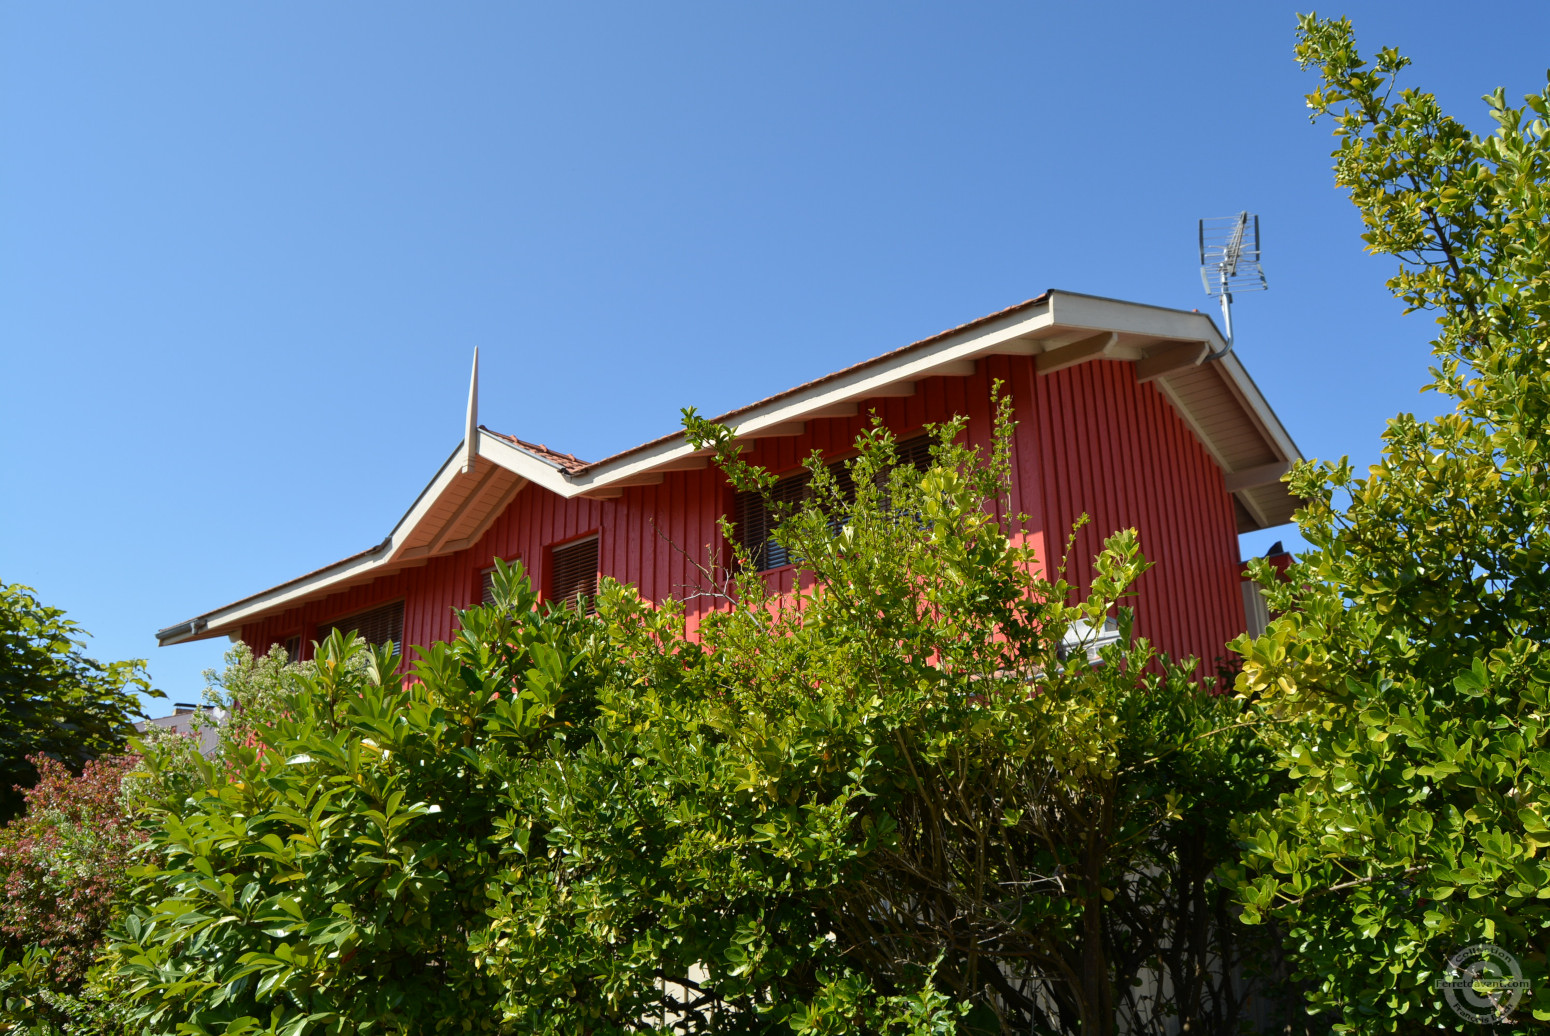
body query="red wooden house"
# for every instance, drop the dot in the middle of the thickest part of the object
(1121, 415)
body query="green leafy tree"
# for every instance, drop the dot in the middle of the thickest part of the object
(895, 784)
(1406, 689)
(900, 803)
(53, 699)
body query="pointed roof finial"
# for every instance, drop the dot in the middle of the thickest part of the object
(471, 432)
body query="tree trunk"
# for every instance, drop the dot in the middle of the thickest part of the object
(1097, 992)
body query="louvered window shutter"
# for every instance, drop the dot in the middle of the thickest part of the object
(753, 527)
(376, 627)
(756, 525)
(487, 584)
(846, 485)
(915, 453)
(911, 453)
(573, 573)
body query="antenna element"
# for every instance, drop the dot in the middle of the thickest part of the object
(1229, 262)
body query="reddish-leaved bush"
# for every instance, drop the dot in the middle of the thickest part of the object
(65, 860)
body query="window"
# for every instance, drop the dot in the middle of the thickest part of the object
(573, 573)
(487, 580)
(916, 453)
(756, 525)
(487, 586)
(292, 647)
(376, 627)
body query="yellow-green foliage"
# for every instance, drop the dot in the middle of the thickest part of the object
(1406, 689)
(893, 807)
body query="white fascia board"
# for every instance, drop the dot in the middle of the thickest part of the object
(381, 557)
(223, 619)
(450, 471)
(519, 462)
(982, 340)
(1271, 425)
(181, 638)
(1100, 314)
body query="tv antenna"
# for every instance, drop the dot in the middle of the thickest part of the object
(1229, 262)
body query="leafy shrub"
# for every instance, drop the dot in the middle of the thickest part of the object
(328, 875)
(63, 865)
(64, 873)
(889, 806)
(892, 782)
(250, 692)
(246, 695)
(31, 1002)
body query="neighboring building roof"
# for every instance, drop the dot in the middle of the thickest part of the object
(1169, 347)
(191, 721)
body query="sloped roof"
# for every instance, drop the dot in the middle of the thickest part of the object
(566, 462)
(1169, 347)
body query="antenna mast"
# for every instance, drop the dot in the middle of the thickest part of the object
(1229, 262)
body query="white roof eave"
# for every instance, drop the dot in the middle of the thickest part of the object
(1030, 331)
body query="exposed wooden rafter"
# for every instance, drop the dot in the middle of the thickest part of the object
(469, 501)
(836, 410)
(1169, 358)
(1077, 352)
(953, 369)
(488, 520)
(646, 478)
(898, 390)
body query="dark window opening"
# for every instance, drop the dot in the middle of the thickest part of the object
(916, 453)
(573, 574)
(376, 627)
(756, 524)
(292, 648)
(487, 583)
(487, 586)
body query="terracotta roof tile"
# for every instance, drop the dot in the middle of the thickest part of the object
(566, 462)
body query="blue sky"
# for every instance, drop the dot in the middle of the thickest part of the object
(247, 250)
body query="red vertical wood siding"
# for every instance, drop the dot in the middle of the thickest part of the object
(1090, 439)
(1122, 456)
